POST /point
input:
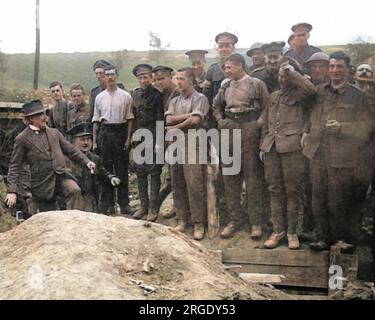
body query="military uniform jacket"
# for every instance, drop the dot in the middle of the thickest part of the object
(286, 117)
(44, 164)
(350, 107)
(215, 75)
(271, 80)
(77, 115)
(147, 108)
(58, 114)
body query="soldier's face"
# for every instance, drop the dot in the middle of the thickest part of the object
(111, 78)
(273, 60)
(319, 70)
(77, 97)
(198, 66)
(225, 49)
(39, 120)
(83, 143)
(57, 93)
(183, 82)
(258, 57)
(99, 73)
(144, 80)
(233, 70)
(163, 81)
(301, 38)
(337, 70)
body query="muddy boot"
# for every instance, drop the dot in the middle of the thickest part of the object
(181, 226)
(274, 240)
(293, 242)
(198, 231)
(229, 230)
(152, 215)
(256, 232)
(140, 213)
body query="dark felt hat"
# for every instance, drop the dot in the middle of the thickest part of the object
(80, 130)
(33, 107)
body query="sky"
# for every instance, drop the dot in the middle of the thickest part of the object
(110, 25)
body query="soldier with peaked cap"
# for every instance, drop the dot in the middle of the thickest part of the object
(82, 139)
(301, 50)
(256, 53)
(215, 75)
(148, 109)
(114, 117)
(290, 41)
(98, 68)
(78, 112)
(269, 73)
(198, 62)
(44, 149)
(163, 80)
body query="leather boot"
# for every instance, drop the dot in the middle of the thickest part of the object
(198, 231)
(181, 226)
(229, 230)
(256, 232)
(293, 242)
(274, 240)
(140, 213)
(152, 215)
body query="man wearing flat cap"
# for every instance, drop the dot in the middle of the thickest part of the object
(215, 75)
(269, 73)
(256, 53)
(44, 150)
(163, 81)
(82, 139)
(198, 61)
(98, 68)
(113, 120)
(148, 109)
(318, 66)
(301, 50)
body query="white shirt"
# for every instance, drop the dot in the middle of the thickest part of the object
(113, 107)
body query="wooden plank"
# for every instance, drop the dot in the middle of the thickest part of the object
(261, 278)
(277, 257)
(309, 277)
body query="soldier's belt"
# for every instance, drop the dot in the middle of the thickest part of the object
(242, 116)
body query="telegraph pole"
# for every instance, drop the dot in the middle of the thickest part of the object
(37, 47)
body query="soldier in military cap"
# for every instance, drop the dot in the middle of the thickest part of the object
(98, 68)
(256, 53)
(198, 61)
(78, 112)
(44, 150)
(163, 80)
(82, 139)
(269, 73)
(291, 40)
(318, 66)
(148, 109)
(215, 74)
(301, 50)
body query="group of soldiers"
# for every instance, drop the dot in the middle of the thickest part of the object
(306, 141)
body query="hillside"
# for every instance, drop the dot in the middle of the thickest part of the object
(77, 67)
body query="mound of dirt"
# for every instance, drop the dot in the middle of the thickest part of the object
(79, 255)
